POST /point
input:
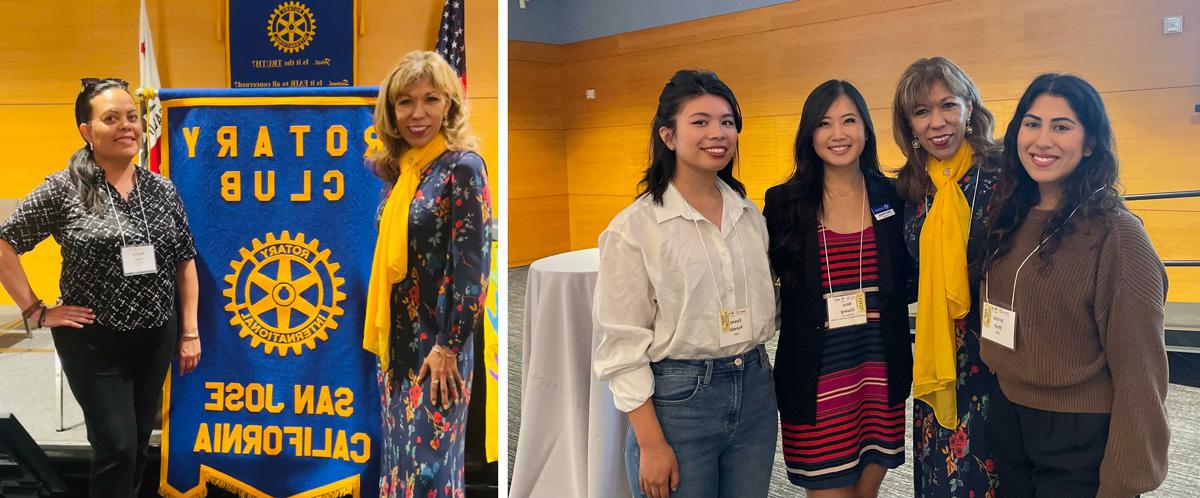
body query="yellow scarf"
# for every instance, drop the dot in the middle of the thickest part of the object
(390, 264)
(944, 294)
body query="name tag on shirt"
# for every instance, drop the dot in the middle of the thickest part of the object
(999, 325)
(883, 212)
(846, 310)
(735, 326)
(138, 260)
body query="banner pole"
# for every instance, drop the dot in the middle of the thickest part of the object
(144, 113)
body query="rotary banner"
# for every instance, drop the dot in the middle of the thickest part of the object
(292, 43)
(284, 401)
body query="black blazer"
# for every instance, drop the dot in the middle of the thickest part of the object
(803, 312)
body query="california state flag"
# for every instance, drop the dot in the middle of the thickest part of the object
(148, 78)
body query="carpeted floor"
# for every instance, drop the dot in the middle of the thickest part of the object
(1183, 404)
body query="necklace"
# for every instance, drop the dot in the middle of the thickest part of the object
(836, 195)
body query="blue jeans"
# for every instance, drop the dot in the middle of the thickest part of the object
(719, 417)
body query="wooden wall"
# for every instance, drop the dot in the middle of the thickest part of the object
(772, 57)
(537, 144)
(47, 47)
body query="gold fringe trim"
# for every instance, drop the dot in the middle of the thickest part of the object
(339, 493)
(348, 486)
(230, 487)
(199, 492)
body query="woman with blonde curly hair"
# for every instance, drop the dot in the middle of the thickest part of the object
(429, 277)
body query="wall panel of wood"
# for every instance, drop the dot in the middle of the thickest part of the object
(590, 213)
(538, 222)
(543, 231)
(541, 155)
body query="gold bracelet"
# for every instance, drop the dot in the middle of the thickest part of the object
(193, 334)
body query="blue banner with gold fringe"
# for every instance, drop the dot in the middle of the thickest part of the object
(293, 43)
(284, 401)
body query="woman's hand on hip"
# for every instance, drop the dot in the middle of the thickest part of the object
(659, 472)
(67, 316)
(189, 353)
(446, 383)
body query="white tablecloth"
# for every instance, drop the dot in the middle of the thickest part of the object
(572, 437)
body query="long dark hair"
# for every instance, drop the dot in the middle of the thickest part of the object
(912, 181)
(685, 85)
(82, 170)
(802, 195)
(1016, 192)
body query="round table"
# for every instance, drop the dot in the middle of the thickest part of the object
(572, 437)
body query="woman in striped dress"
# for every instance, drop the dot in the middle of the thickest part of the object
(844, 368)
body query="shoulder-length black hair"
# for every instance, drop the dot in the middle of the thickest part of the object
(83, 172)
(685, 85)
(1016, 192)
(801, 197)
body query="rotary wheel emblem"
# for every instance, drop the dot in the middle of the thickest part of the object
(291, 27)
(284, 294)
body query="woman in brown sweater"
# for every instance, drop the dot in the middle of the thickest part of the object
(1073, 295)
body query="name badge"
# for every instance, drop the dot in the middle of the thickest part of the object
(138, 260)
(883, 212)
(847, 309)
(999, 325)
(735, 326)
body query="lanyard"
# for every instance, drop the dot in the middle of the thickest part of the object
(708, 259)
(117, 215)
(861, 237)
(1017, 274)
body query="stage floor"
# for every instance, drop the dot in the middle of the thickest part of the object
(28, 388)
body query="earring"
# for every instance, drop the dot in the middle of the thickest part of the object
(969, 130)
(916, 144)
(89, 147)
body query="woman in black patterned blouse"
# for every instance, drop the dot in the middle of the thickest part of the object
(127, 251)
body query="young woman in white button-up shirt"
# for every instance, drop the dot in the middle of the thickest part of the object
(684, 302)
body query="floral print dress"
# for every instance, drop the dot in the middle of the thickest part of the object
(958, 462)
(440, 302)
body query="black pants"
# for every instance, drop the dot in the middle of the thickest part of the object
(117, 377)
(1043, 454)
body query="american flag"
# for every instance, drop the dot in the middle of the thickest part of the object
(452, 42)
